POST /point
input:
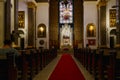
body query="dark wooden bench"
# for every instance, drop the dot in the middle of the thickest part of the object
(8, 70)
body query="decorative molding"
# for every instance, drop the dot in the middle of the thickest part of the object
(101, 3)
(31, 5)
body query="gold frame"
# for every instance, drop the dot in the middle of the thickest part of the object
(21, 19)
(112, 13)
(91, 32)
(41, 30)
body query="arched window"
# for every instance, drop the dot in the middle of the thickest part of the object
(65, 11)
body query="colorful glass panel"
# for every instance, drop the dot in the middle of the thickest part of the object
(66, 11)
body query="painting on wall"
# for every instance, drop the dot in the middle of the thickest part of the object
(112, 17)
(21, 19)
(91, 30)
(41, 31)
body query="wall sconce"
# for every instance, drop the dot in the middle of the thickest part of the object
(41, 29)
(91, 28)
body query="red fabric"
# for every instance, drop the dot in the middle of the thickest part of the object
(91, 41)
(66, 69)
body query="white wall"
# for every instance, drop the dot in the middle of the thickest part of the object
(22, 6)
(42, 16)
(1, 23)
(90, 16)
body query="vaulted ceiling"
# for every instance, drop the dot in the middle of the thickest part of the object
(48, 0)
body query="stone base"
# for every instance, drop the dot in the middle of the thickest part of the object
(66, 47)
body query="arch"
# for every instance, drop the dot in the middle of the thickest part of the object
(91, 30)
(113, 32)
(41, 30)
(20, 32)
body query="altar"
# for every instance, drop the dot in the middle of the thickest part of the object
(66, 36)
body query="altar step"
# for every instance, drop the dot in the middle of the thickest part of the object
(61, 51)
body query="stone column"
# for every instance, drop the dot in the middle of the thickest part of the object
(7, 19)
(102, 24)
(31, 23)
(117, 23)
(53, 23)
(1, 22)
(16, 20)
(78, 22)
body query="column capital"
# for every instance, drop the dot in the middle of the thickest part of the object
(31, 5)
(101, 3)
(2, 0)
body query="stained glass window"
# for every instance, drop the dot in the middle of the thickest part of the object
(65, 11)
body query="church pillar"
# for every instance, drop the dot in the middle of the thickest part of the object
(7, 19)
(78, 23)
(31, 24)
(118, 24)
(1, 22)
(53, 24)
(16, 20)
(102, 23)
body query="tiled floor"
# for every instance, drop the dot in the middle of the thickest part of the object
(46, 72)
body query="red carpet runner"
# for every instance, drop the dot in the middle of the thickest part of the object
(66, 69)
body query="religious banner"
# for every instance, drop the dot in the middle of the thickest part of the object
(91, 41)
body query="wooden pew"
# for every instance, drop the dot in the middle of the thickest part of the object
(111, 66)
(30, 57)
(22, 65)
(38, 61)
(8, 69)
(117, 65)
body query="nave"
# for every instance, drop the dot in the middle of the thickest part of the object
(71, 25)
(47, 71)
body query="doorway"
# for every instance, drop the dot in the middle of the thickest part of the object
(112, 41)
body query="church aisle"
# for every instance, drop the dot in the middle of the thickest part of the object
(46, 72)
(86, 74)
(66, 69)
